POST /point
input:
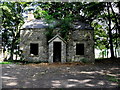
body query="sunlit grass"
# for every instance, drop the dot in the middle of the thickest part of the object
(5, 63)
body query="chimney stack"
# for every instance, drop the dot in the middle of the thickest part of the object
(30, 16)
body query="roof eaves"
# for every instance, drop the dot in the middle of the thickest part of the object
(56, 37)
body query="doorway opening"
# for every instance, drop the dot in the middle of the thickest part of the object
(57, 52)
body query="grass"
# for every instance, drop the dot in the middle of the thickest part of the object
(5, 63)
(9, 62)
(112, 78)
(19, 62)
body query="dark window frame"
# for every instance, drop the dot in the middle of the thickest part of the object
(34, 49)
(80, 50)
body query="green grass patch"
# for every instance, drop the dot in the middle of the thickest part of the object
(5, 63)
(21, 62)
(112, 78)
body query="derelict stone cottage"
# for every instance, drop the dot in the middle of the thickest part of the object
(36, 48)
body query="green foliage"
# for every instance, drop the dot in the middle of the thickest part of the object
(101, 36)
(92, 10)
(112, 78)
(49, 33)
(5, 63)
(63, 13)
(84, 60)
(94, 13)
(39, 13)
(65, 27)
(12, 21)
(62, 27)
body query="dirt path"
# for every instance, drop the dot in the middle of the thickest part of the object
(60, 76)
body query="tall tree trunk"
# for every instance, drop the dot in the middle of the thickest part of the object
(110, 31)
(116, 20)
(12, 50)
(13, 43)
(107, 53)
(117, 29)
(119, 17)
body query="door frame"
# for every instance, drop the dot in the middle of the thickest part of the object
(57, 38)
(54, 51)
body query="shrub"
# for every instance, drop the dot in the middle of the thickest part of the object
(84, 60)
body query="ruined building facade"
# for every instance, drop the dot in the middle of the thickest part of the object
(36, 48)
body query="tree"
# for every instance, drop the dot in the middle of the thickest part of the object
(110, 31)
(108, 16)
(12, 20)
(87, 12)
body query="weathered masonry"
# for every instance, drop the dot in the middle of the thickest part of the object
(57, 49)
(36, 48)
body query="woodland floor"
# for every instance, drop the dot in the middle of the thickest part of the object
(102, 74)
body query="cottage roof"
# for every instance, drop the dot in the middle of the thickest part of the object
(81, 25)
(56, 37)
(37, 23)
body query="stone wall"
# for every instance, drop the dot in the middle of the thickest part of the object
(34, 36)
(85, 37)
(68, 51)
